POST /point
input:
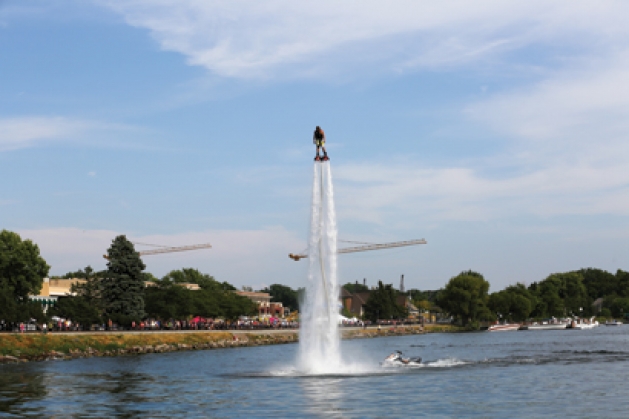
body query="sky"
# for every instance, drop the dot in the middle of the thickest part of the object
(497, 131)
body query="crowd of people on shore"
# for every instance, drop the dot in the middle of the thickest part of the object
(67, 325)
(57, 324)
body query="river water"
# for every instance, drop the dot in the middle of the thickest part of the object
(527, 374)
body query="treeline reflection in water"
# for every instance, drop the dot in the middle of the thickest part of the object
(533, 374)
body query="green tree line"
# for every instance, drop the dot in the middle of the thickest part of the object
(118, 293)
(466, 296)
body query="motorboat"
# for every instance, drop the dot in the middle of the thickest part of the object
(613, 322)
(396, 359)
(503, 327)
(582, 324)
(550, 324)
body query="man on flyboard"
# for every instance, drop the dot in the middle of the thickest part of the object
(318, 138)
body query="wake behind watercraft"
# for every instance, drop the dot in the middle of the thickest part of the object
(396, 359)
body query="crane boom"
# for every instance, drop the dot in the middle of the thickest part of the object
(174, 249)
(375, 246)
(166, 249)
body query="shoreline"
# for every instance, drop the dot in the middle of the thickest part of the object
(26, 347)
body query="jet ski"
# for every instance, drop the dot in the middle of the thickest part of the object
(397, 359)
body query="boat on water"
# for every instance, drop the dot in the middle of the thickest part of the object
(396, 359)
(613, 322)
(545, 326)
(503, 327)
(582, 324)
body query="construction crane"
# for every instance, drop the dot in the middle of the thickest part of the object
(374, 246)
(168, 249)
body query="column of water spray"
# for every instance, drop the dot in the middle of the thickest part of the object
(319, 335)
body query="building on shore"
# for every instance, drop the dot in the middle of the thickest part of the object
(266, 307)
(54, 289)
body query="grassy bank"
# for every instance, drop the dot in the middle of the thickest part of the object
(61, 345)
(15, 347)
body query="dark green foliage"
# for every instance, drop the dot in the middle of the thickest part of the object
(148, 277)
(191, 276)
(123, 288)
(599, 283)
(22, 269)
(79, 309)
(283, 294)
(8, 303)
(90, 290)
(561, 294)
(605, 312)
(515, 302)
(623, 283)
(13, 310)
(168, 299)
(465, 297)
(81, 274)
(31, 310)
(619, 306)
(356, 287)
(382, 304)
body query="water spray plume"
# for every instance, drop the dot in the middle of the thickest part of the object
(319, 339)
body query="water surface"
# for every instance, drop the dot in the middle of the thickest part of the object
(577, 374)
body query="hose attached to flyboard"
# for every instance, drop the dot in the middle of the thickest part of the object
(325, 286)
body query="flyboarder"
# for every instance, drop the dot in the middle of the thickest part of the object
(318, 138)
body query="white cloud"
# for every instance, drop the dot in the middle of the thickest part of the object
(300, 39)
(585, 105)
(23, 132)
(31, 131)
(378, 193)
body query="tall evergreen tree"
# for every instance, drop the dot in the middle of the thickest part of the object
(123, 288)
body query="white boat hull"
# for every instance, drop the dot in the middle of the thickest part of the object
(560, 326)
(503, 327)
(580, 324)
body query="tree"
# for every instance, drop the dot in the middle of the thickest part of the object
(382, 304)
(561, 294)
(168, 299)
(22, 269)
(465, 297)
(599, 283)
(194, 276)
(514, 302)
(619, 307)
(78, 309)
(283, 294)
(623, 283)
(123, 288)
(8, 304)
(90, 290)
(354, 288)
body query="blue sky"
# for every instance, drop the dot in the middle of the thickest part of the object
(496, 131)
